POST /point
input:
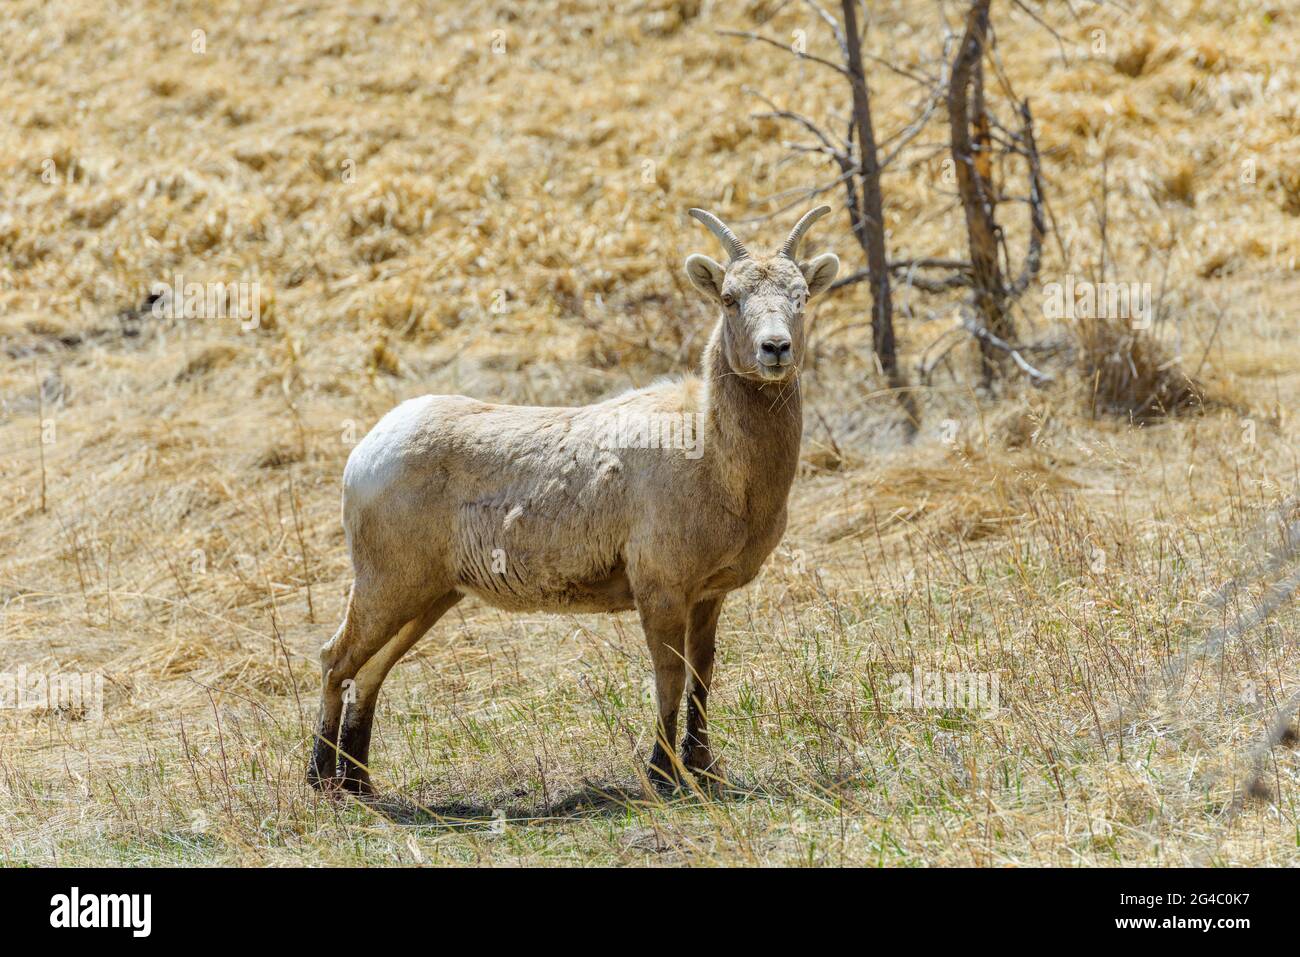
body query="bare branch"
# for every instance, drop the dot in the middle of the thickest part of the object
(778, 112)
(751, 35)
(936, 286)
(801, 195)
(956, 281)
(833, 24)
(852, 279)
(1037, 224)
(810, 148)
(987, 338)
(925, 368)
(829, 148)
(931, 263)
(913, 129)
(1048, 27)
(919, 78)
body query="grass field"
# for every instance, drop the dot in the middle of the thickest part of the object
(489, 199)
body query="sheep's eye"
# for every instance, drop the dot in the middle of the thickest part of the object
(728, 299)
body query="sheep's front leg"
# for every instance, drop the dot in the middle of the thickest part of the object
(664, 623)
(699, 658)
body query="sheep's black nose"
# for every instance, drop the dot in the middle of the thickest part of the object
(776, 350)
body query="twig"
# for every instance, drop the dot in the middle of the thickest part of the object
(1103, 213)
(913, 129)
(784, 114)
(302, 549)
(40, 427)
(1048, 27)
(929, 262)
(984, 336)
(926, 369)
(1037, 224)
(801, 195)
(288, 664)
(1218, 321)
(909, 267)
(835, 447)
(831, 22)
(751, 35)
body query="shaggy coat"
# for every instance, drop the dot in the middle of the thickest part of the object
(661, 500)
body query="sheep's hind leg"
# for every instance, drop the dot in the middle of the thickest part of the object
(664, 623)
(366, 628)
(324, 752)
(359, 709)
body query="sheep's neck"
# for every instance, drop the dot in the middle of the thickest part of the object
(752, 438)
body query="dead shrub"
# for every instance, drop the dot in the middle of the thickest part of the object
(1128, 373)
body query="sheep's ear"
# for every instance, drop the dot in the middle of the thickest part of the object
(820, 272)
(706, 275)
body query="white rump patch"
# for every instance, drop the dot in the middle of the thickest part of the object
(374, 462)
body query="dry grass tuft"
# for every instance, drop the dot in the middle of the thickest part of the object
(967, 491)
(1128, 373)
(1133, 59)
(208, 360)
(1180, 183)
(1288, 185)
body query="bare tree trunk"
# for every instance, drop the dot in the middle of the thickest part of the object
(974, 168)
(869, 226)
(856, 154)
(869, 218)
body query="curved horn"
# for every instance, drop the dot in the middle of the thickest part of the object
(791, 244)
(735, 248)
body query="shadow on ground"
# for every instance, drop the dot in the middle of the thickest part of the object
(593, 799)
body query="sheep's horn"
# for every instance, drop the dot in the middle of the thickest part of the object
(735, 248)
(791, 245)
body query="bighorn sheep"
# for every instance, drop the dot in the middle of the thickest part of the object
(534, 508)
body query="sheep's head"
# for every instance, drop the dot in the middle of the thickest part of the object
(762, 298)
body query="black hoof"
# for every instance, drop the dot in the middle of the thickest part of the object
(323, 766)
(699, 760)
(330, 787)
(353, 778)
(321, 780)
(662, 772)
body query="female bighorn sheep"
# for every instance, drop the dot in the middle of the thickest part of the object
(535, 509)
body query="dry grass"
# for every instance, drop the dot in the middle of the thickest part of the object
(1130, 374)
(424, 214)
